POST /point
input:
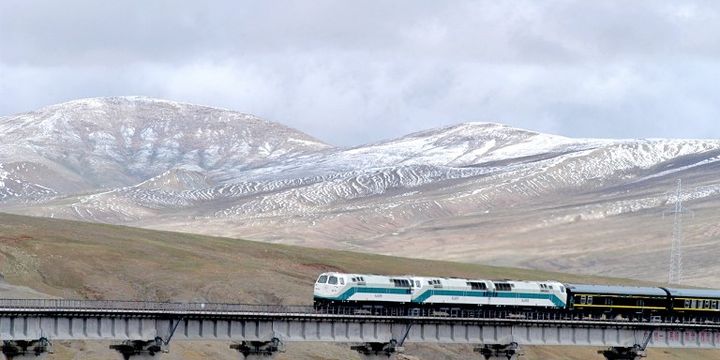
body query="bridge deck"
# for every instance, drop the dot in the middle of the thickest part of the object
(119, 320)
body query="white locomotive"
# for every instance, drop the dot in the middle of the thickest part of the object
(336, 288)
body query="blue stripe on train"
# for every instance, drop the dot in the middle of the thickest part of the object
(425, 295)
(428, 293)
(356, 290)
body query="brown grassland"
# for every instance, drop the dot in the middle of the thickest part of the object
(69, 259)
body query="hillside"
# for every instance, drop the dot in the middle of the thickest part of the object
(472, 192)
(83, 260)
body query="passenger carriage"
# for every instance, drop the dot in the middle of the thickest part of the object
(695, 301)
(618, 299)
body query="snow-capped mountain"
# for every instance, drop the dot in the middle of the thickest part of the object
(91, 144)
(473, 191)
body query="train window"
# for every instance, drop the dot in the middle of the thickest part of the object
(706, 304)
(503, 287)
(562, 289)
(401, 283)
(687, 304)
(714, 304)
(417, 283)
(608, 301)
(322, 279)
(583, 299)
(477, 285)
(333, 280)
(550, 287)
(342, 281)
(640, 303)
(590, 300)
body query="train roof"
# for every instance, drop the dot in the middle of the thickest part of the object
(699, 293)
(616, 290)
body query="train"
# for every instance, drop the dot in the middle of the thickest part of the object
(408, 295)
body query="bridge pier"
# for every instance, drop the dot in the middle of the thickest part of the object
(26, 349)
(499, 351)
(624, 353)
(140, 349)
(259, 349)
(377, 350)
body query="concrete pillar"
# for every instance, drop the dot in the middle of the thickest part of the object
(624, 353)
(259, 349)
(499, 351)
(24, 349)
(140, 349)
(377, 351)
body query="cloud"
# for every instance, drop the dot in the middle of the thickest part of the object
(355, 72)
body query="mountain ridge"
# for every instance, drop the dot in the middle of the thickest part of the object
(470, 191)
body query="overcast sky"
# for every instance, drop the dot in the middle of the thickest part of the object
(351, 72)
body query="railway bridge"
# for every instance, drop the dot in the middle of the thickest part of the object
(145, 330)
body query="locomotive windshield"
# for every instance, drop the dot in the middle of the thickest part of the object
(322, 279)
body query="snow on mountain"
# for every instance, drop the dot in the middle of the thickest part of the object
(162, 164)
(460, 145)
(178, 179)
(103, 143)
(157, 154)
(346, 187)
(14, 184)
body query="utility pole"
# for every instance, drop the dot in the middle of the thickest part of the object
(675, 274)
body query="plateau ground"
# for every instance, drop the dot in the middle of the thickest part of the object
(70, 259)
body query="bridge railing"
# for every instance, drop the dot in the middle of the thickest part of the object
(119, 306)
